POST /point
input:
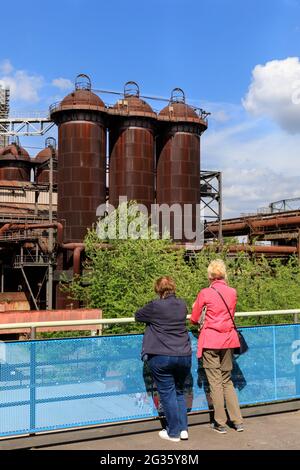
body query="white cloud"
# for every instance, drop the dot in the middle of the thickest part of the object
(23, 86)
(62, 83)
(6, 67)
(273, 92)
(248, 189)
(259, 164)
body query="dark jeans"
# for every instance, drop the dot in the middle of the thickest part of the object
(170, 373)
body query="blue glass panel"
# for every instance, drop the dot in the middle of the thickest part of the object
(55, 384)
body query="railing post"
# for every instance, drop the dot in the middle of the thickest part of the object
(274, 362)
(33, 332)
(32, 384)
(296, 363)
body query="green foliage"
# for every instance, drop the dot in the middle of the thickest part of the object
(120, 280)
(63, 334)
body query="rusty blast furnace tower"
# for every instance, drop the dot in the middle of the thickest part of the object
(131, 143)
(178, 156)
(82, 158)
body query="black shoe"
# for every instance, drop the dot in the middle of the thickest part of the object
(220, 429)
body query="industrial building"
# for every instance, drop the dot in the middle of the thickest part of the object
(47, 203)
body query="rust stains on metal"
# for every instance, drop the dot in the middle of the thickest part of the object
(251, 224)
(13, 301)
(17, 184)
(132, 104)
(131, 144)
(24, 316)
(42, 170)
(178, 158)
(23, 209)
(15, 163)
(82, 161)
(263, 249)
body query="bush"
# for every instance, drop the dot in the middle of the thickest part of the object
(120, 280)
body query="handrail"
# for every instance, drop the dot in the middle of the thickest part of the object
(112, 321)
(43, 324)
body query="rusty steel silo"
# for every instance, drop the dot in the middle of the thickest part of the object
(178, 156)
(131, 147)
(42, 162)
(15, 163)
(80, 117)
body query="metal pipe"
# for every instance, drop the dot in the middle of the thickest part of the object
(262, 248)
(276, 221)
(72, 245)
(76, 260)
(57, 225)
(256, 223)
(112, 321)
(5, 228)
(50, 241)
(76, 247)
(227, 227)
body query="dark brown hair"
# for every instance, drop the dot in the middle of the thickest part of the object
(165, 286)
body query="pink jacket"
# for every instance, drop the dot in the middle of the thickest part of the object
(218, 331)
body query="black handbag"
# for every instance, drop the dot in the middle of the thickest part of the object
(243, 343)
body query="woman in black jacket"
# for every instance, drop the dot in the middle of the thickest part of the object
(167, 349)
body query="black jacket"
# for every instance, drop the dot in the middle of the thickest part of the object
(166, 333)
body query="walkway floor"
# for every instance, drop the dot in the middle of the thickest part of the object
(280, 431)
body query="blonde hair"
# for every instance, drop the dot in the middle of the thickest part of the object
(164, 286)
(217, 270)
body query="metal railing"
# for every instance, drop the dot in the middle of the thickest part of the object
(126, 111)
(58, 384)
(21, 260)
(22, 218)
(11, 236)
(33, 326)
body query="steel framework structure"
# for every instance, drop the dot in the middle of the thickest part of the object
(4, 111)
(25, 126)
(211, 199)
(285, 205)
(36, 258)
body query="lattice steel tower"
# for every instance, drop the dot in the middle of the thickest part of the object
(4, 111)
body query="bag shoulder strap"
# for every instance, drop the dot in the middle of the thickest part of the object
(225, 305)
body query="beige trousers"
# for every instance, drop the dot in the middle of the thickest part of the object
(218, 365)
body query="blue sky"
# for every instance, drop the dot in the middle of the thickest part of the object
(208, 48)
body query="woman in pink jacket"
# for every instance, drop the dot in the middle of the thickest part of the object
(217, 339)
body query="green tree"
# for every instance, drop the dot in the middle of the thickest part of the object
(120, 279)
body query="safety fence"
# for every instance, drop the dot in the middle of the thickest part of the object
(62, 383)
